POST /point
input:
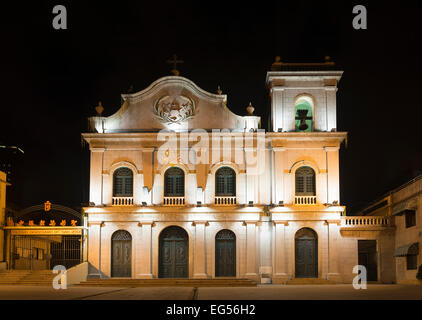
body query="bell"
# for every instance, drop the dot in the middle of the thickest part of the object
(302, 116)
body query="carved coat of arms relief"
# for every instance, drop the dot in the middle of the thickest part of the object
(174, 109)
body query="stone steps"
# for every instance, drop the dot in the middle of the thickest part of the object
(309, 281)
(121, 282)
(27, 277)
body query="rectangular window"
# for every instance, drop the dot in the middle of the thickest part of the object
(410, 218)
(300, 185)
(412, 262)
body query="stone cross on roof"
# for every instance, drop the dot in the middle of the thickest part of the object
(174, 61)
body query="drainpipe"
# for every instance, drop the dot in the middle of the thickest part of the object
(326, 173)
(328, 248)
(102, 176)
(99, 255)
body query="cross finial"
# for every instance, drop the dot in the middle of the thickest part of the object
(174, 61)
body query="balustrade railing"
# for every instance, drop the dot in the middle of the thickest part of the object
(359, 221)
(174, 201)
(225, 201)
(122, 201)
(305, 200)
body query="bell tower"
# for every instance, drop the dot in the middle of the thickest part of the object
(303, 96)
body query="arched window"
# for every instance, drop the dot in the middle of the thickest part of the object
(305, 181)
(303, 114)
(225, 182)
(174, 182)
(123, 182)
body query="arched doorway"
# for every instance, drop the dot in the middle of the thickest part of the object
(225, 254)
(306, 253)
(174, 253)
(121, 254)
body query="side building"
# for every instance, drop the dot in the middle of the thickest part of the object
(403, 206)
(3, 185)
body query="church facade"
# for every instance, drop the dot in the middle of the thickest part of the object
(181, 187)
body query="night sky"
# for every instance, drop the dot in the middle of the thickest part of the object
(52, 79)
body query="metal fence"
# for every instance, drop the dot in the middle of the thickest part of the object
(45, 252)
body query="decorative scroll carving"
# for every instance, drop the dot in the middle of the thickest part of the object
(174, 109)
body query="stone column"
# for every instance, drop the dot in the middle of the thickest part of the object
(251, 250)
(251, 169)
(144, 258)
(333, 185)
(279, 174)
(8, 258)
(333, 256)
(277, 108)
(96, 175)
(199, 254)
(280, 258)
(331, 107)
(94, 248)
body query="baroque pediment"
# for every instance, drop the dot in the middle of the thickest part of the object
(174, 103)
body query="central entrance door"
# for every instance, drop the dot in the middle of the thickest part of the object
(174, 253)
(367, 250)
(306, 254)
(225, 254)
(121, 254)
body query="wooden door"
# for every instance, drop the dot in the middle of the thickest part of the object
(121, 255)
(174, 254)
(225, 254)
(306, 257)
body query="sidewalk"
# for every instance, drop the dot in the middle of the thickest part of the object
(267, 292)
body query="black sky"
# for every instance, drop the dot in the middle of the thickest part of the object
(51, 80)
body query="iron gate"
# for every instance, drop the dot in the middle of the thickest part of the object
(45, 252)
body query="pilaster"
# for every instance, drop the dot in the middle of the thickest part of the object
(199, 254)
(144, 261)
(280, 274)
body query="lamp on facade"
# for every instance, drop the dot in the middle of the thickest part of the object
(334, 203)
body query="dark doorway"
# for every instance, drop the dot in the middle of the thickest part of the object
(121, 254)
(367, 250)
(225, 254)
(306, 254)
(174, 253)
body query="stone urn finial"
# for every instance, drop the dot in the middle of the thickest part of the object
(250, 109)
(99, 109)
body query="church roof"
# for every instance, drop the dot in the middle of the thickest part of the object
(174, 103)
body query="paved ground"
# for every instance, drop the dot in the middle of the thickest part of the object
(268, 292)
